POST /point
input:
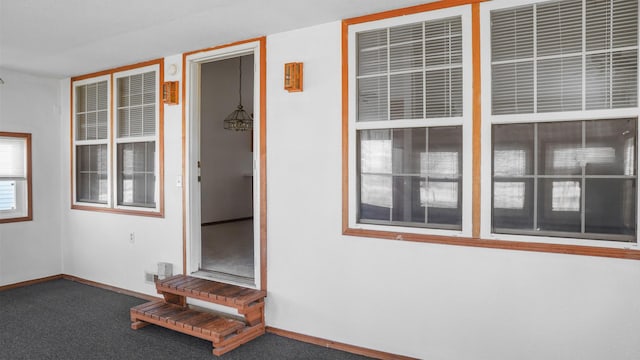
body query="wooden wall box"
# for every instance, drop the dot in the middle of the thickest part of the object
(293, 76)
(170, 94)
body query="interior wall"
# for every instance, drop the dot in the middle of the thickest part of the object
(225, 155)
(32, 249)
(416, 299)
(97, 246)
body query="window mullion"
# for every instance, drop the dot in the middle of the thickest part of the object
(450, 106)
(583, 187)
(424, 71)
(535, 177)
(584, 55)
(610, 54)
(388, 115)
(426, 178)
(535, 58)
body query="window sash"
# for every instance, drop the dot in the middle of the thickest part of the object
(134, 167)
(13, 158)
(573, 155)
(8, 195)
(461, 119)
(594, 74)
(410, 71)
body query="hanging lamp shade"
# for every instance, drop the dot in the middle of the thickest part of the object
(239, 119)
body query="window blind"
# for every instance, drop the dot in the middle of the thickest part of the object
(544, 55)
(91, 111)
(410, 72)
(12, 158)
(137, 105)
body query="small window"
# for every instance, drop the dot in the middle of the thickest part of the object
(117, 162)
(408, 120)
(15, 177)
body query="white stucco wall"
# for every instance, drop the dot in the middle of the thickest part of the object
(97, 247)
(32, 249)
(423, 300)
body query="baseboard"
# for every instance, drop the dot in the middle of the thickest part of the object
(336, 345)
(111, 288)
(82, 281)
(30, 282)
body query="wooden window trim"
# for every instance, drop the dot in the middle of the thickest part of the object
(113, 209)
(475, 240)
(29, 216)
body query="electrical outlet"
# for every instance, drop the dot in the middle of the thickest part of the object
(132, 238)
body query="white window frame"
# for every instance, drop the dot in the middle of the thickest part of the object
(112, 142)
(76, 143)
(23, 203)
(486, 138)
(465, 120)
(155, 138)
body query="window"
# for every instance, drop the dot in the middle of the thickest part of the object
(15, 177)
(117, 161)
(561, 115)
(409, 123)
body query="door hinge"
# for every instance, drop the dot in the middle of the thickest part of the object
(199, 178)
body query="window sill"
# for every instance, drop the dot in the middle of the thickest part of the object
(16, 219)
(499, 244)
(158, 214)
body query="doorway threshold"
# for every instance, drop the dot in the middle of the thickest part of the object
(224, 277)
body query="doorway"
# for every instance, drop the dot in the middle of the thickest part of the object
(224, 236)
(226, 170)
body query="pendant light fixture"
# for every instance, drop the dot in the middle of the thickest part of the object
(239, 120)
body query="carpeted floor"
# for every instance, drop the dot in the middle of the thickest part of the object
(63, 319)
(228, 248)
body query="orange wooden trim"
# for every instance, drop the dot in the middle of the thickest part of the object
(500, 244)
(345, 125)
(263, 152)
(337, 345)
(109, 287)
(258, 39)
(118, 69)
(263, 163)
(72, 179)
(29, 180)
(476, 210)
(29, 216)
(30, 282)
(436, 5)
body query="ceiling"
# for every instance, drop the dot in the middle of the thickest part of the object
(61, 38)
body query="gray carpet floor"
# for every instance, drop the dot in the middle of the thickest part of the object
(63, 319)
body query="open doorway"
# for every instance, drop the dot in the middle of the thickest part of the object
(225, 237)
(226, 170)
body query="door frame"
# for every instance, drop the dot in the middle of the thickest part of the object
(191, 62)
